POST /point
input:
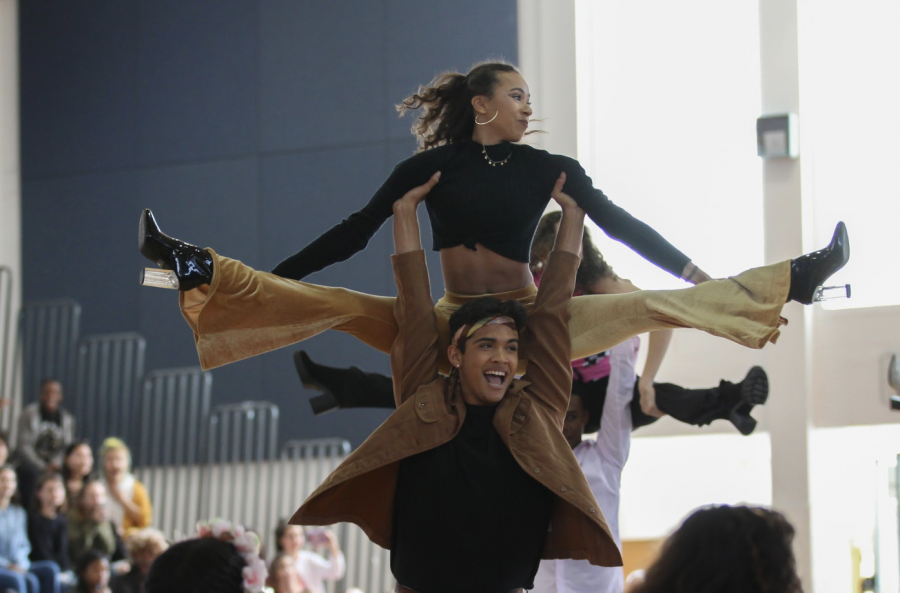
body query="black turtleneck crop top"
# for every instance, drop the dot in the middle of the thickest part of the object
(498, 207)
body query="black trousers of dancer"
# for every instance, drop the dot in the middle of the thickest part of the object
(346, 388)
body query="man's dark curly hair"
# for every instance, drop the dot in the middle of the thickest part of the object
(725, 549)
(202, 565)
(486, 307)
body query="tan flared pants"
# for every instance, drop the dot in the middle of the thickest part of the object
(244, 312)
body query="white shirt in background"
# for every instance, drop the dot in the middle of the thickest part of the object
(315, 570)
(602, 462)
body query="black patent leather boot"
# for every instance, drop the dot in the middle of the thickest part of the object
(184, 266)
(809, 272)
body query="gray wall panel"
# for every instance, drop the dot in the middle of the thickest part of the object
(322, 73)
(78, 86)
(77, 245)
(198, 79)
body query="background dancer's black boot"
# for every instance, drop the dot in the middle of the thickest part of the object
(184, 266)
(343, 388)
(738, 400)
(809, 272)
(699, 407)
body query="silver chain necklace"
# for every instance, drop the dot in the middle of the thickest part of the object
(492, 162)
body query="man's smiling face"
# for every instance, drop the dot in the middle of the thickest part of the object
(487, 366)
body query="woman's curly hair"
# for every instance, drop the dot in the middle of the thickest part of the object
(448, 116)
(725, 549)
(592, 268)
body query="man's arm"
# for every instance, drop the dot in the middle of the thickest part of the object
(414, 355)
(547, 343)
(657, 346)
(614, 438)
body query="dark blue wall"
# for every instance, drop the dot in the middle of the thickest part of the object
(248, 126)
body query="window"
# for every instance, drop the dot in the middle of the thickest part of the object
(850, 138)
(668, 96)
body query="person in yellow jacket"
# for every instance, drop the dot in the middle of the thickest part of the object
(129, 504)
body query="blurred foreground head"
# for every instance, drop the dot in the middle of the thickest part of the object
(726, 549)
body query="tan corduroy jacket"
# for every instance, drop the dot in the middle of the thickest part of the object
(430, 412)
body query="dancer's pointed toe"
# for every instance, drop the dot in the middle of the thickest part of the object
(809, 272)
(184, 266)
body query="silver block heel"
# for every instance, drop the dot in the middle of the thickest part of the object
(159, 278)
(828, 293)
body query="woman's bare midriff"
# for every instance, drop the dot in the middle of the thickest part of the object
(482, 271)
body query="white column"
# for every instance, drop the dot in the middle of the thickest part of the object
(789, 405)
(10, 170)
(547, 61)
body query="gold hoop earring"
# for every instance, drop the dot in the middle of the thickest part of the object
(478, 123)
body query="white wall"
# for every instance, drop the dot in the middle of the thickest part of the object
(10, 170)
(547, 61)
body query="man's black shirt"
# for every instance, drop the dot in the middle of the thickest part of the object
(467, 517)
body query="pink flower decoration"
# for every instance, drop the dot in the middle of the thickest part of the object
(203, 529)
(247, 543)
(221, 529)
(254, 575)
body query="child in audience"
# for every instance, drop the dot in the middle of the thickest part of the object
(129, 505)
(283, 576)
(223, 559)
(90, 527)
(17, 572)
(93, 573)
(313, 568)
(4, 447)
(47, 527)
(78, 463)
(724, 549)
(144, 546)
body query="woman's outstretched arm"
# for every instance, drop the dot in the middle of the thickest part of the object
(352, 235)
(625, 228)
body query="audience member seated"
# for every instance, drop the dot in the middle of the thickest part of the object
(47, 527)
(4, 447)
(313, 568)
(78, 464)
(129, 505)
(144, 546)
(283, 576)
(90, 527)
(223, 559)
(17, 572)
(93, 573)
(45, 429)
(726, 549)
